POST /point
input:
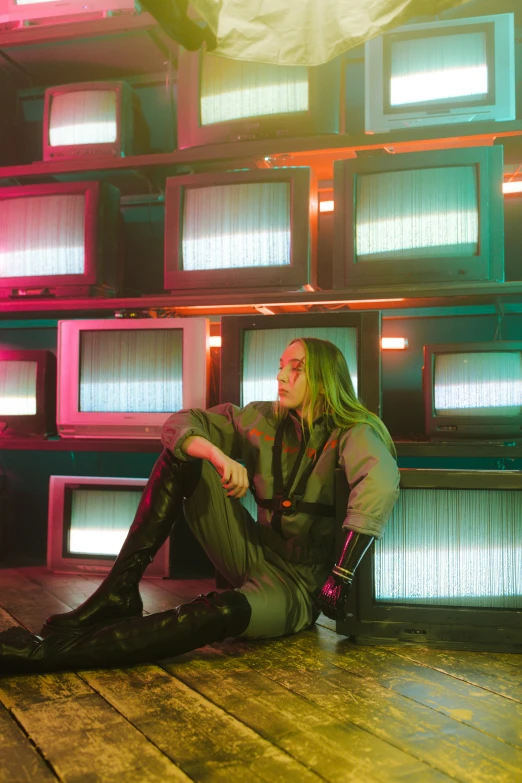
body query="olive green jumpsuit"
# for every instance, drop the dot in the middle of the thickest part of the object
(278, 561)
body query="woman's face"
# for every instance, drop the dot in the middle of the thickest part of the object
(291, 378)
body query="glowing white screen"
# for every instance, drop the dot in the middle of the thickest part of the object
(232, 90)
(435, 69)
(83, 117)
(33, 2)
(452, 547)
(262, 349)
(42, 235)
(18, 388)
(236, 226)
(131, 371)
(100, 520)
(418, 213)
(478, 384)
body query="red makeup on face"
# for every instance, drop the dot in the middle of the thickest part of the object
(291, 378)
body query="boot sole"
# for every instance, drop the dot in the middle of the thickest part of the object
(48, 629)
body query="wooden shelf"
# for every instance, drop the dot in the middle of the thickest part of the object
(492, 449)
(217, 303)
(81, 444)
(471, 448)
(316, 151)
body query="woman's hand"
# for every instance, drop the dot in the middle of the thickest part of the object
(331, 599)
(234, 476)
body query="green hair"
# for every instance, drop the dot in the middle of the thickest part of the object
(330, 391)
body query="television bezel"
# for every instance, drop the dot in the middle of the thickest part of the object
(101, 236)
(323, 115)
(299, 273)
(484, 428)
(10, 11)
(368, 348)
(488, 264)
(61, 561)
(120, 148)
(443, 627)
(43, 422)
(380, 117)
(76, 424)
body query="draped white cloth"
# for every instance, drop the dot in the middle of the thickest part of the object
(305, 32)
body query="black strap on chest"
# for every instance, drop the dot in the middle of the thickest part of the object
(281, 503)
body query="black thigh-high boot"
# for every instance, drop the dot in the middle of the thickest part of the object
(118, 596)
(204, 620)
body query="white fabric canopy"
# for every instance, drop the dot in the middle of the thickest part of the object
(305, 32)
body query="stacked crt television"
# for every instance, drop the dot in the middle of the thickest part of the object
(48, 11)
(89, 519)
(252, 345)
(446, 573)
(91, 120)
(441, 73)
(27, 393)
(473, 390)
(222, 100)
(241, 230)
(59, 239)
(123, 378)
(422, 217)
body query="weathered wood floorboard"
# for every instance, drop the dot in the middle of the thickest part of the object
(204, 740)
(302, 665)
(335, 748)
(311, 707)
(19, 760)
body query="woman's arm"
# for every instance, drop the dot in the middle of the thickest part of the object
(234, 477)
(217, 425)
(373, 478)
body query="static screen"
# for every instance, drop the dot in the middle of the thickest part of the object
(233, 90)
(236, 226)
(438, 69)
(262, 349)
(417, 213)
(481, 384)
(18, 388)
(128, 371)
(83, 117)
(42, 235)
(452, 547)
(100, 520)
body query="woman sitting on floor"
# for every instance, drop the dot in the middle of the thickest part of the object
(282, 567)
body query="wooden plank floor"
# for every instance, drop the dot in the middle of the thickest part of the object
(310, 707)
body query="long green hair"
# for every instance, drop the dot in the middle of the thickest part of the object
(330, 391)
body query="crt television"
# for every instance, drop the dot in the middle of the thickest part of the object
(27, 393)
(243, 230)
(92, 119)
(419, 217)
(223, 100)
(123, 378)
(440, 73)
(473, 390)
(446, 573)
(88, 521)
(251, 347)
(60, 239)
(22, 12)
